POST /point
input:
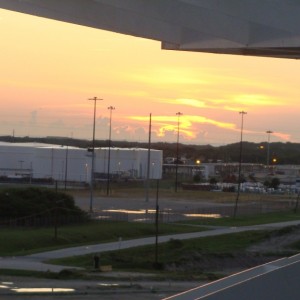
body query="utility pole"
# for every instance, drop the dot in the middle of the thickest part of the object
(148, 158)
(66, 167)
(111, 108)
(269, 132)
(95, 99)
(156, 224)
(178, 114)
(240, 164)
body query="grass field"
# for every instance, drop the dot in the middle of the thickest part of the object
(31, 240)
(172, 251)
(249, 220)
(206, 258)
(201, 258)
(27, 241)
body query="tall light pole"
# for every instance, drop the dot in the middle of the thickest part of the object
(178, 114)
(66, 167)
(111, 108)
(269, 132)
(21, 165)
(148, 159)
(242, 113)
(95, 99)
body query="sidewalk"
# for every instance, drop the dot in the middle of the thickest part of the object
(35, 261)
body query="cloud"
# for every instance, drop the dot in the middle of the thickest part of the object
(187, 123)
(187, 102)
(282, 136)
(236, 102)
(256, 100)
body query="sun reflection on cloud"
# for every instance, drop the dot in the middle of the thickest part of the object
(187, 102)
(283, 136)
(230, 103)
(198, 119)
(170, 124)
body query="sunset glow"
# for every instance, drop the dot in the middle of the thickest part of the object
(50, 69)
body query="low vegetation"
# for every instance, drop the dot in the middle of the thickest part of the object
(266, 218)
(35, 206)
(32, 240)
(202, 258)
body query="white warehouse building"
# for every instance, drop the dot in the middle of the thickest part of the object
(62, 163)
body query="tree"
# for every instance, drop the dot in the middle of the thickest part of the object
(213, 181)
(267, 184)
(197, 178)
(36, 203)
(275, 183)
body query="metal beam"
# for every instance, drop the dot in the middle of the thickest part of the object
(248, 27)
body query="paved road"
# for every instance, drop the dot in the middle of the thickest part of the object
(34, 288)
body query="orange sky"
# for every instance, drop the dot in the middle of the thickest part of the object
(50, 69)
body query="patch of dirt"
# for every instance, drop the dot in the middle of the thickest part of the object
(279, 242)
(277, 245)
(222, 264)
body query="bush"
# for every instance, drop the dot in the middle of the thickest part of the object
(40, 204)
(197, 178)
(175, 244)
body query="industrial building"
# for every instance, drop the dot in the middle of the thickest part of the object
(64, 163)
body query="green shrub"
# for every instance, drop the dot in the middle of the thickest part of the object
(37, 203)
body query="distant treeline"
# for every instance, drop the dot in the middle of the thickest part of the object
(284, 153)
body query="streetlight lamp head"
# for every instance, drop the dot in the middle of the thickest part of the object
(95, 99)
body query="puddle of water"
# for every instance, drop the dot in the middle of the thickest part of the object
(103, 217)
(141, 220)
(214, 216)
(5, 285)
(43, 290)
(151, 211)
(108, 284)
